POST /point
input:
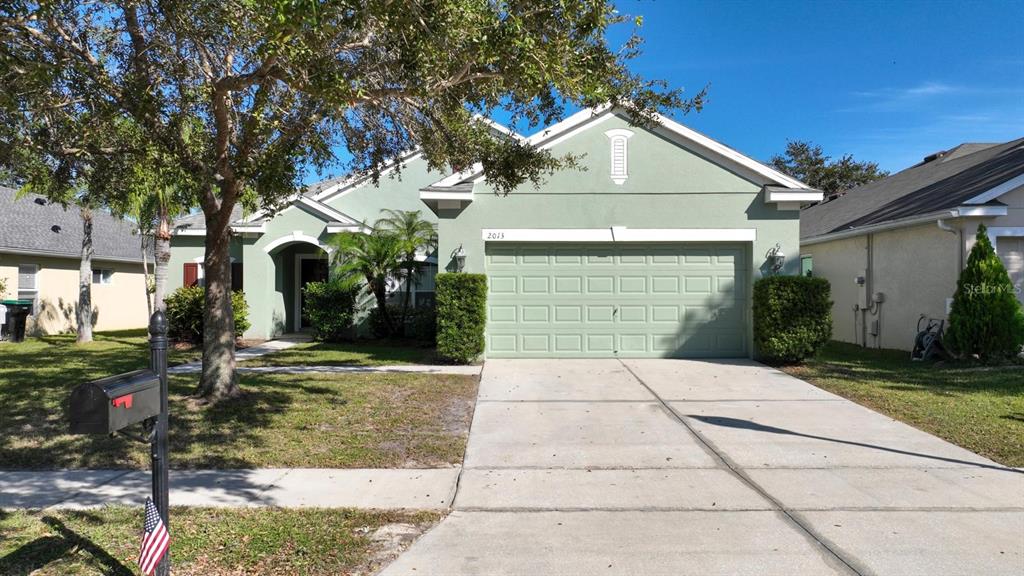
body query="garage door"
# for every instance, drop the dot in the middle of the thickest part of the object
(1011, 250)
(616, 300)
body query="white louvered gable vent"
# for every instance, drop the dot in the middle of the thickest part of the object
(619, 154)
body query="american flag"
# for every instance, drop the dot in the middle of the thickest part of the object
(155, 540)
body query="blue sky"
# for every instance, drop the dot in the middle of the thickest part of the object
(888, 82)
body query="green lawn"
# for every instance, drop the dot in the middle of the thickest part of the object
(305, 420)
(981, 409)
(206, 542)
(375, 353)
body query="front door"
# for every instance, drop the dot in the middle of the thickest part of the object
(311, 269)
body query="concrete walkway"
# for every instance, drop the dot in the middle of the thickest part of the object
(426, 489)
(706, 468)
(399, 368)
(283, 343)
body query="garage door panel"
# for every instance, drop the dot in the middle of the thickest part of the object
(653, 300)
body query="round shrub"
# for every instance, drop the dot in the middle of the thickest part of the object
(792, 317)
(185, 313)
(380, 328)
(461, 315)
(330, 307)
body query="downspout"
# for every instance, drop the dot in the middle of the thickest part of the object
(959, 233)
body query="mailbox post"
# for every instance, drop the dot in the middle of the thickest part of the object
(158, 361)
(110, 405)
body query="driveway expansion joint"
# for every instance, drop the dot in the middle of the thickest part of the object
(825, 545)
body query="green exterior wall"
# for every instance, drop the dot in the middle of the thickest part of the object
(269, 277)
(668, 187)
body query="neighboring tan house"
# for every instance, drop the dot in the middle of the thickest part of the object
(40, 253)
(906, 238)
(650, 250)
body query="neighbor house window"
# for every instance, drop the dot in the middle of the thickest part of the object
(807, 265)
(619, 154)
(102, 276)
(28, 284)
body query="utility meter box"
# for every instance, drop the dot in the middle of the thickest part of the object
(111, 404)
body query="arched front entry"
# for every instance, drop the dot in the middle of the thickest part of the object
(298, 260)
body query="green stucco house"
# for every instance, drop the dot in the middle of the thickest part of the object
(649, 251)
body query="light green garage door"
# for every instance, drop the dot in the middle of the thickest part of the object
(616, 300)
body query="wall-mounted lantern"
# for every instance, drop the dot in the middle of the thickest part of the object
(775, 259)
(460, 258)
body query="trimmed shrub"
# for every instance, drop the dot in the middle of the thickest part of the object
(330, 307)
(185, 313)
(461, 315)
(986, 319)
(379, 328)
(792, 317)
(422, 324)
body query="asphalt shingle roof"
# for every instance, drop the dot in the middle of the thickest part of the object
(945, 182)
(32, 224)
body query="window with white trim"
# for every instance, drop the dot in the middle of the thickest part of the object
(28, 284)
(102, 276)
(619, 138)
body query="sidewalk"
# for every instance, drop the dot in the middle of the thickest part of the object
(283, 343)
(420, 489)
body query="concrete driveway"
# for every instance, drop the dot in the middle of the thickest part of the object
(726, 467)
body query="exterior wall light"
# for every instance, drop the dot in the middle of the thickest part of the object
(775, 259)
(460, 258)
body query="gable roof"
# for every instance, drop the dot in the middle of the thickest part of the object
(961, 176)
(712, 149)
(33, 225)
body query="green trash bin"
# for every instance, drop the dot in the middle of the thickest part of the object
(17, 313)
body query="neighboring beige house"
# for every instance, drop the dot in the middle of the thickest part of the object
(40, 247)
(893, 249)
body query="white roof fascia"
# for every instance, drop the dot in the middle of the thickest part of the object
(997, 191)
(795, 196)
(326, 211)
(967, 211)
(548, 137)
(188, 232)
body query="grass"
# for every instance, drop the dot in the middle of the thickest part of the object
(205, 541)
(981, 409)
(302, 420)
(374, 353)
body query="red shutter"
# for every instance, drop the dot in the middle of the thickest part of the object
(191, 274)
(236, 276)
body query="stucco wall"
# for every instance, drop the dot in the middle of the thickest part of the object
(839, 262)
(116, 306)
(668, 187)
(916, 269)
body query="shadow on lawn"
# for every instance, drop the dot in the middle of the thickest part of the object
(849, 362)
(754, 426)
(42, 551)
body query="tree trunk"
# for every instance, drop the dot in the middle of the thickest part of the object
(380, 292)
(145, 272)
(219, 380)
(162, 251)
(84, 312)
(408, 292)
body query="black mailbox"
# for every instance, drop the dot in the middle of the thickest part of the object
(108, 405)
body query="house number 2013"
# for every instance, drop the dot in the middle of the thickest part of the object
(495, 235)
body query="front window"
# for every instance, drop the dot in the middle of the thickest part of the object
(28, 285)
(807, 265)
(102, 276)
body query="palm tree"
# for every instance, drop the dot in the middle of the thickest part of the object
(374, 258)
(414, 234)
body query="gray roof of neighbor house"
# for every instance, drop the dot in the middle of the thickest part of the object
(198, 222)
(32, 225)
(945, 180)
